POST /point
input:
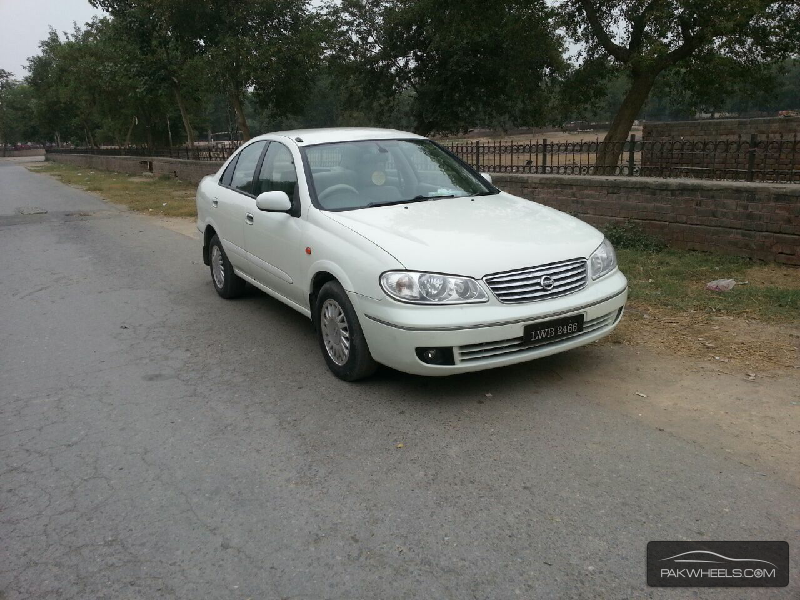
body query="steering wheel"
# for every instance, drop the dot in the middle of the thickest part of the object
(337, 189)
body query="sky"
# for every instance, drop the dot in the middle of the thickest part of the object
(23, 23)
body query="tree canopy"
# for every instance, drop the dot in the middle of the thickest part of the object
(457, 64)
(160, 72)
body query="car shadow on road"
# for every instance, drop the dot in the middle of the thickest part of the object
(544, 373)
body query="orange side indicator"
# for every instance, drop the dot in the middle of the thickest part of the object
(308, 249)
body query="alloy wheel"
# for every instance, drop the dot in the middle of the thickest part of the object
(217, 267)
(335, 331)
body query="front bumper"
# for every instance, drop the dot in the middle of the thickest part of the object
(484, 336)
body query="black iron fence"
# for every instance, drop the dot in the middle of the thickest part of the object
(754, 159)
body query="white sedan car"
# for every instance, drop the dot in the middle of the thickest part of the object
(403, 255)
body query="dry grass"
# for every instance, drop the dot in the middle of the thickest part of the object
(730, 343)
(159, 196)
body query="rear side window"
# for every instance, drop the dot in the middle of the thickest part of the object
(245, 167)
(278, 173)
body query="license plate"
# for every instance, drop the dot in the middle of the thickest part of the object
(537, 333)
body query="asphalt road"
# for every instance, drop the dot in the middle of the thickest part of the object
(157, 441)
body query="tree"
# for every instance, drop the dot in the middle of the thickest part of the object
(460, 63)
(645, 39)
(7, 120)
(169, 34)
(270, 47)
(16, 111)
(51, 110)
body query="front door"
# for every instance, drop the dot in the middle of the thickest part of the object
(235, 201)
(274, 241)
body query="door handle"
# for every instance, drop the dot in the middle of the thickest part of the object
(214, 203)
(249, 218)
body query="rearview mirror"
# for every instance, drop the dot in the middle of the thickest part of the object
(487, 177)
(274, 202)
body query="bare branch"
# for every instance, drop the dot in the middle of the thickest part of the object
(638, 26)
(621, 54)
(691, 42)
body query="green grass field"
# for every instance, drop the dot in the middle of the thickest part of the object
(677, 280)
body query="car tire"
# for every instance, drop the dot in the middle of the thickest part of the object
(226, 282)
(340, 336)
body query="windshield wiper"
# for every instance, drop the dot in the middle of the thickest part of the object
(419, 198)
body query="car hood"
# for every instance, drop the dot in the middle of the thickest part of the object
(473, 236)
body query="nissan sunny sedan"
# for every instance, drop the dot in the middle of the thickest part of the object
(401, 254)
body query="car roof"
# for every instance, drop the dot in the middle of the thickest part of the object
(309, 137)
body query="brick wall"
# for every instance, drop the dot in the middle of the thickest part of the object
(722, 129)
(8, 153)
(756, 220)
(187, 170)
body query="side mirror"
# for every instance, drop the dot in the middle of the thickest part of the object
(274, 202)
(487, 177)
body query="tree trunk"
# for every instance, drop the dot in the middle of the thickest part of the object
(612, 146)
(185, 116)
(89, 137)
(130, 131)
(241, 120)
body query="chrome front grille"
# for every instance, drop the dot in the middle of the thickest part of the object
(482, 351)
(525, 285)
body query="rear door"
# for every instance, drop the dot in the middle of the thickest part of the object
(236, 200)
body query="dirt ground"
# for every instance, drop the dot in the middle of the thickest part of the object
(716, 405)
(560, 156)
(726, 383)
(553, 135)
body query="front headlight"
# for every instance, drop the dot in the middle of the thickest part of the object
(431, 288)
(603, 260)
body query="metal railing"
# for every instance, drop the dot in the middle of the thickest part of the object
(761, 160)
(754, 159)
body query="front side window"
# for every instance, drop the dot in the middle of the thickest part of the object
(245, 167)
(278, 173)
(365, 174)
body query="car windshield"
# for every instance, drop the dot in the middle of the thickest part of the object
(365, 174)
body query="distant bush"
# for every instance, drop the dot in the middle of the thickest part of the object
(631, 236)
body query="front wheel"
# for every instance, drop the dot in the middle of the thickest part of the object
(340, 336)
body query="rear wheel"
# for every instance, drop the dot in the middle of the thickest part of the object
(341, 339)
(226, 282)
